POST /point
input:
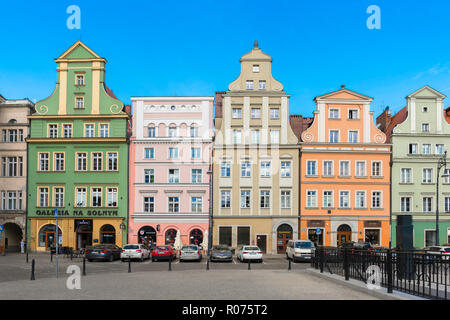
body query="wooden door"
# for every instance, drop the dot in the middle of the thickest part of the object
(344, 236)
(283, 238)
(261, 242)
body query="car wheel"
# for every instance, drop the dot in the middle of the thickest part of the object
(90, 260)
(111, 258)
(123, 260)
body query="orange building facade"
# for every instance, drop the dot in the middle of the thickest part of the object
(345, 174)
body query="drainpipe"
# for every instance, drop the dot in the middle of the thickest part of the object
(299, 192)
(390, 196)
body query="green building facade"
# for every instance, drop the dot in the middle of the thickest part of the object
(420, 136)
(78, 158)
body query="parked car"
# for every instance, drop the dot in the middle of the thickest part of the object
(107, 252)
(221, 253)
(300, 250)
(191, 252)
(165, 252)
(249, 253)
(135, 251)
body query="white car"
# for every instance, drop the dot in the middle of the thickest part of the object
(300, 250)
(191, 252)
(249, 253)
(135, 251)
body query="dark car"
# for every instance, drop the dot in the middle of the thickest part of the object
(221, 253)
(106, 252)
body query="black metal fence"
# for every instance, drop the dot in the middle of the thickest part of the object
(417, 273)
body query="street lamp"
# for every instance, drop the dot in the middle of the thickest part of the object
(442, 162)
(210, 210)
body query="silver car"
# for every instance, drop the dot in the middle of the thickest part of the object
(191, 252)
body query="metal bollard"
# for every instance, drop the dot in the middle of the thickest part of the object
(84, 266)
(27, 257)
(289, 268)
(71, 255)
(170, 263)
(249, 268)
(129, 264)
(207, 264)
(32, 270)
(51, 256)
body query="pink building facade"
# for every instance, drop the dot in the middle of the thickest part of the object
(170, 156)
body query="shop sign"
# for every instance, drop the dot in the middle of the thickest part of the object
(82, 222)
(80, 213)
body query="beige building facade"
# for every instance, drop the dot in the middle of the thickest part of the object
(14, 129)
(255, 161)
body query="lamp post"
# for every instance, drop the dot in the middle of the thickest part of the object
(210, 211)
(442, 162)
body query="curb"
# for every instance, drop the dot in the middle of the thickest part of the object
(361, 287)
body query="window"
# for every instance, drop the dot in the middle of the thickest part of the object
(334, 114)
(104, 130)
(265, 169)
(360, 169)
(424, 109)
(59, 161)
(97, 161)
(11, 201)
(174, 175)
(151, 132)
(44, 162)
(225, 199)
(13, 170)
(112, 197)
(427, 204)
(243, 236)
(196, 175)
(256, 68)
(237, 113)
(328, 199)
(96, 199)
(376, 199)
(194, 131)
(328, 168)
(262, 85)
(149, 176)
(334, 136)
(81, 197)
(405, 175)
(344, 168)
(360, 199)
(425, 127)
(79, 102)
(446, 176)
(225, 169)
(285, 168)
(67, 130)
(245, 199)
(89, 130)
(311, 168)
(274, 113)
(80, 80)
(4, 168)
(285, 199)
(237, 136)
(196, 153)
(426, 175)
(275, 136)
(59, 197)
(43, 197)
(344, 199)
(20, 135)
(12, 135)
(255, 136)
(353, 136)
(447, 204)
(439, 149)
(149, 153)
(426, 148)
(174, 204)
(249, 85)
(246, 169)
(311, 199)
(405, 204)
(376, 169)
(256, 113)
(4, 135)
(173, 153)
(353, 114)
(52, 130)
(172, 131)
(265, 199)
(413, 148)
(112, 161)
(149, 204)
(196, 204)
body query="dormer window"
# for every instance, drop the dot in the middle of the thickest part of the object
(256, 68)
(249, 85)
(262, 85)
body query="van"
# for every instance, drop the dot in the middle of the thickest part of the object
(300, 250)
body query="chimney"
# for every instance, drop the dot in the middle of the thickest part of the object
(384, 119)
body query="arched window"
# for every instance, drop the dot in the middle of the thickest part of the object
(196, 237)
(108, 234)
(147, 236)
(47, 236)
(172, 130)
(344, 228)
(151, 130)
(12, 121)
(170, 236)
(194, 131)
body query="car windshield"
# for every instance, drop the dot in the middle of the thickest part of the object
(131, 246)
(189, 248)
(251, 248)
(162, 248)
(446, 250)
(304, 245)
(220, 248)
(98, 247)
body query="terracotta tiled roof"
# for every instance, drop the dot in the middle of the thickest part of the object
(109, 92)
(398, 118)
(299, 124)
(218, 103)
(447, 114)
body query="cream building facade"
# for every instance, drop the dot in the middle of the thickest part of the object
(255, 161)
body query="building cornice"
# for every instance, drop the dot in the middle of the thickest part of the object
(74, 140)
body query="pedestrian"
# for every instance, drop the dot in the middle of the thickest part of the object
(22, 246)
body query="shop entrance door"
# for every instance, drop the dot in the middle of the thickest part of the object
(344, 234)
(284, 234)
(84, 235)
(50, 239)
(261, 242)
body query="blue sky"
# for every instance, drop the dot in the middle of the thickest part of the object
(193, 47)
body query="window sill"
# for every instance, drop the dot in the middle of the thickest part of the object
(344, 177)
(361, 177)
(312, 176)
(334, 118)
(312, 207)
(406, 183)
(327, 208)
(328, 176)
(428, 183)
(376, 177)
